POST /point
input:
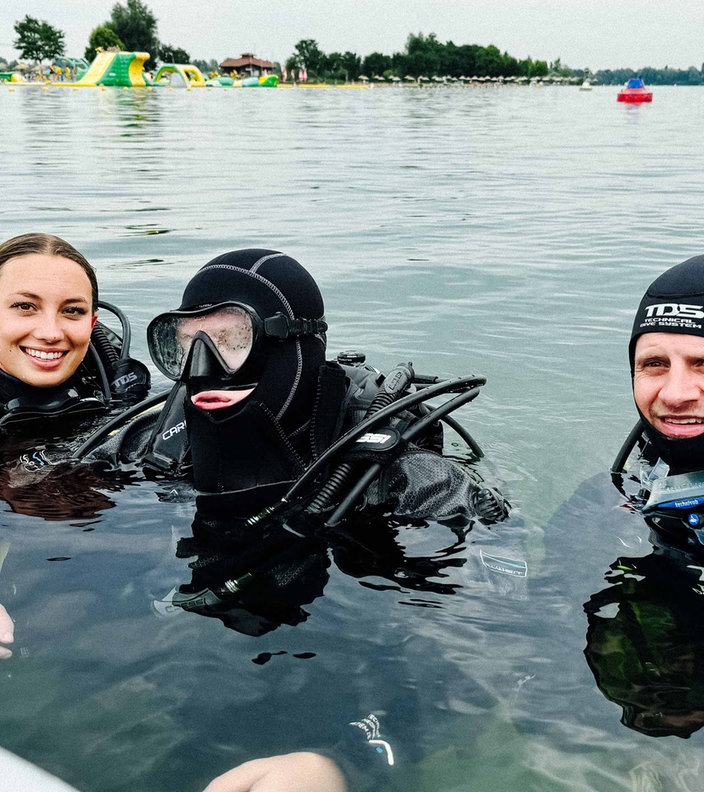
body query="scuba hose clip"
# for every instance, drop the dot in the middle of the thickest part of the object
(393, 387)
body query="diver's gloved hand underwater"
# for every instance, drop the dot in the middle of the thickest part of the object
(258, 418)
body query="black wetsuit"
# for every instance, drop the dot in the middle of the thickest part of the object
(419, 482)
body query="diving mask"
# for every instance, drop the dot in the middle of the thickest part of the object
(229, 328)
(234, 332)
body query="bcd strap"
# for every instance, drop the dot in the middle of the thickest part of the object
(168, 448)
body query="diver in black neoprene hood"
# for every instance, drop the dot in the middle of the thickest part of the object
(259, 416)
(250, 325)
(666, 355)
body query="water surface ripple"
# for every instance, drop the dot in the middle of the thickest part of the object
(505, 232)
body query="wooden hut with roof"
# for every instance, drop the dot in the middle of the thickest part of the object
(247, 65)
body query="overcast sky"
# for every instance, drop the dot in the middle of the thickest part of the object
(583, 33)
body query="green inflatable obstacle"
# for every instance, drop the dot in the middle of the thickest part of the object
(118, 69)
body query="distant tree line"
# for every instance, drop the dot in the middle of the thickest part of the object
(424, 56)
(650, 76)
(133, 27)
(37, 40)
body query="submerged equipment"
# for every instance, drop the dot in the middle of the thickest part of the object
(106, 374)
(668, 502)
(361, 453)
(645, 643)
(398, 411)
(401, 412)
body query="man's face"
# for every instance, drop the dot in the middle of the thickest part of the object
(668, 383)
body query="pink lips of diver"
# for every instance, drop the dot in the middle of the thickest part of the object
(218, 399)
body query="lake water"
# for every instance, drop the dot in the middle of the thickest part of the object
(504, 232)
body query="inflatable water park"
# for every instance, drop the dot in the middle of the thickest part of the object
(120, 69)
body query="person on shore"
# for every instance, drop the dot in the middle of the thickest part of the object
(256, 405)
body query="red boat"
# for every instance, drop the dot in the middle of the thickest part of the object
(635, 91)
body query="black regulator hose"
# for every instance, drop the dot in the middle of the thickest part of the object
(106, 351)
(409, 435)
(618, 468)
(395, 384)
(117, 423)
(438, 388)
(102, 343)
(626, 449)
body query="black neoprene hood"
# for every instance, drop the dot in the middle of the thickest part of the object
(266, 280)
(673, 303)
(259, 445)
(269, 282)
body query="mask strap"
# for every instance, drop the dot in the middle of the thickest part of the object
(281, 327)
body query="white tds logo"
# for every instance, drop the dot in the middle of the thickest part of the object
(675, 309)
(124, 380)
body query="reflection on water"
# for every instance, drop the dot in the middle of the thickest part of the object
(507, 233)
(256, 579)
(645, 644)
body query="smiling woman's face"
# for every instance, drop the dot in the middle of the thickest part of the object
(46, 318)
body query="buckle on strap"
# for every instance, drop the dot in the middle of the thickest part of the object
(281, 327)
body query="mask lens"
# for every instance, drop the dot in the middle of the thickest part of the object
(229, 327)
